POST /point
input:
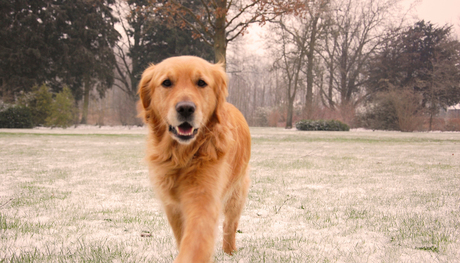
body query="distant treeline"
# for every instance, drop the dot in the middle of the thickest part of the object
(361, 62)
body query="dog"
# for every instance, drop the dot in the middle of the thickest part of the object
(198, 152)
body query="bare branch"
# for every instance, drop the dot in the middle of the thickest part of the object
(242, 11)
(209, 14)
(6, 202)
(277, 210)
(195, 18)
(244, 26)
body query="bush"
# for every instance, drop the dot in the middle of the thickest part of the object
(381, 115)
(321, 125)
(62, 110)
(394, 110)
(16, 117)
(39, 101)
(261, 117)
(46, 111)
(41, 107)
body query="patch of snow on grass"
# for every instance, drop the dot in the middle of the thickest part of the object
(357, 196)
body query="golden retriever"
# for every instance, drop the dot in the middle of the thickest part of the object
(198, 152)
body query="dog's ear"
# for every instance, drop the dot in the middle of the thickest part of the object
(221, 90)
(145, 91)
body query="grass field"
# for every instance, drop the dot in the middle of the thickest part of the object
(82, 195)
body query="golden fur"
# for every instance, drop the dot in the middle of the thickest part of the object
(205, 174)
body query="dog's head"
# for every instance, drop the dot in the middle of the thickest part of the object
(183, 93)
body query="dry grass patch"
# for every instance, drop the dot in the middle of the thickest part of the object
(83, 196)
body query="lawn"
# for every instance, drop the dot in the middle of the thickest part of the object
(83, 195)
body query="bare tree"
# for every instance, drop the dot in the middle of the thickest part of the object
(315, 24)
(218, 22)
(297, 51)
(247, 73)
(358, 28)
(127, 69)
(290, 59)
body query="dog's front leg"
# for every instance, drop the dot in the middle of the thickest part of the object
(201, 209)
(176, 222)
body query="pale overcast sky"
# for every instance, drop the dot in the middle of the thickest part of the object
(440, 12)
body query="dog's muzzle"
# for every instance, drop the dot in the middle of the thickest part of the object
(184, 132)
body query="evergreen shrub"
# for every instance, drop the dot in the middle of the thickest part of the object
(16, 117)
(39, 101)
(48, 111)
(321, 125)
(62, 111)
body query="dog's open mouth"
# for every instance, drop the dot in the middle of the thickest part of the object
(184, 132)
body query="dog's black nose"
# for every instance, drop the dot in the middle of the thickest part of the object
(185, 108)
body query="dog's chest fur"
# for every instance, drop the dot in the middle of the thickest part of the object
(175, 168)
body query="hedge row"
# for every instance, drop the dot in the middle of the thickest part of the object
(321, 125)
(16, 117)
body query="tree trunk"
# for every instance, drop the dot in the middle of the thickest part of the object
(84, 115)
(431, 121)
(331, 85)
(290, 110)
(263, 96)
(220, 38)
(136, 67)
(254, 104)
(220, 48)
(76, 114)
(343, 71)
(432, 114)
(290, 106)
(310, 57)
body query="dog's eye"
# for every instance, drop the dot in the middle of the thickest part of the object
(201, 83)
(167, 83)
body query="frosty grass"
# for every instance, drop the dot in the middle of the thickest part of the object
(83, 195)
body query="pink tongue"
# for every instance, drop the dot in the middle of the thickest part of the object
(185, 130)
